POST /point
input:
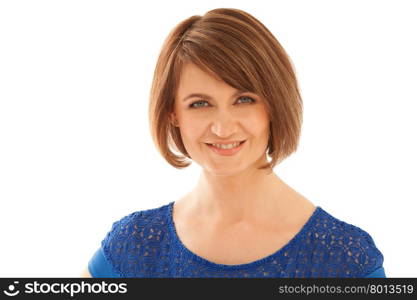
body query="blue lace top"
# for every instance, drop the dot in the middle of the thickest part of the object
(145, 244)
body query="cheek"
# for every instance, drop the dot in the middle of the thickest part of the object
(192, 130)
(257, 125)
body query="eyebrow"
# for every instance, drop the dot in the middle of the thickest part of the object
(205, 96)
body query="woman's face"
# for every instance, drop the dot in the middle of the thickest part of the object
(221, 116)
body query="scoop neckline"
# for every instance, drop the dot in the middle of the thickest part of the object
(276, 254)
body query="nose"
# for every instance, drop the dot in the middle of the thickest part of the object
(224, 125)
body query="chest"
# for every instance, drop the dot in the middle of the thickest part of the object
(239, 245)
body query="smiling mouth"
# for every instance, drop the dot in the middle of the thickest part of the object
(240, 143)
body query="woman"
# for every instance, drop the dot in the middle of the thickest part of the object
(225, 95)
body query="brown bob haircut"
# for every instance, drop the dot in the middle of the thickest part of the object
(235, 47)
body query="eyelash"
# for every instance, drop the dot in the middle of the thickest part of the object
(200, 101)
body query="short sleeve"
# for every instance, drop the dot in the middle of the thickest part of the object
(100, 267)
(378, 273)
(374, 259)
(353, 252)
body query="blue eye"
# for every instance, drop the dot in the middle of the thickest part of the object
(252, 100)
(200, 101)
(204, 101)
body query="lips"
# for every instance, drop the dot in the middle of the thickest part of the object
(226, 152)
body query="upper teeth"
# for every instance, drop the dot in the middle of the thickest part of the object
(227, 146)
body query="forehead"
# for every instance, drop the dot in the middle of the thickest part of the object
(194, 79)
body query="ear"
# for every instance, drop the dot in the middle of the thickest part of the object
(173, 119)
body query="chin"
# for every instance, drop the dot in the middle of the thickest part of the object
(225, 170)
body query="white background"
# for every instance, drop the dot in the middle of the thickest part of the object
(75, 149)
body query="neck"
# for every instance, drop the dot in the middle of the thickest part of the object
(249, 196)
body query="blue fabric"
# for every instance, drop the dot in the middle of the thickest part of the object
(100, 267)
(145, 244)
(378, 273)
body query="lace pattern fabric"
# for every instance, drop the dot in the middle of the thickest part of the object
(145, 244)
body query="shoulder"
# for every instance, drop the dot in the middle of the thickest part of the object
(136, 234)
(342, 249)
(139, 219)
